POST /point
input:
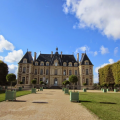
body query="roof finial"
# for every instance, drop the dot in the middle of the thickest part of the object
(40, 52)
(56, 49)
(85, 51)
(27, 49)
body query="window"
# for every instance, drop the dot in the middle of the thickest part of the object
(86, 71)
(24, 69)
(70, 64)
(64, 64)
(47, 72)
(47, 64)
(42, 64)
(41, 79)
(87, 82)
(23, 80)
(75, 72)
(64, 73)
(35, 71)
(41, 72)
(55, 63)
(36, 63)
(46, 80)
(55, 71)
(70, 72)
(86, 63)
(20, 69)
(24, 61)
(76, 65)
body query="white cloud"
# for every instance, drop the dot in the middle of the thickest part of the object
(101, 14)
(74, 26)
(14, 56)
(83, 49)
(115, 50)
(104, 50)
(95, 53)
(1, 58)
(110, 62)
(13, 69)
(5, 45)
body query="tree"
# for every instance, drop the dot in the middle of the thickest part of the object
(85, 84)
(66, 82)
(34, 82)
(41, 82)
(11, 78)
(3, 73)
(73, 79)
(63, 83)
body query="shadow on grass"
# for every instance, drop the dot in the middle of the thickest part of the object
(40, 102)
(107, 103)
(18, 100)
(83, 94)
(84, 101)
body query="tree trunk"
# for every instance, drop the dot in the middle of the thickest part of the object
(73, 87)
(11, 86)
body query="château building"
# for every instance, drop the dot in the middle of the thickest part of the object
(54, 69)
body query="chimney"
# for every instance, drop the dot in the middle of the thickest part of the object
(78, 57)
(34, 56)
(61, 54)
(51, 53)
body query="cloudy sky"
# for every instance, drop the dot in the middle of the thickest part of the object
(71, 25)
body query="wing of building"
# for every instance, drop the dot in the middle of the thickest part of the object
(54, 69)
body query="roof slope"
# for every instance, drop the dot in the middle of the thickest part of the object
(84, 58)
(28, 57)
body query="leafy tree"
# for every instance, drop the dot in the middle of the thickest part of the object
(104, 84)
(85, 84)
(115, 86)
(73, 79)
(11, 78)
(66, 82)
(41, 82)
(3, 73)
(34, 82)
(63, 83)
(21, 83)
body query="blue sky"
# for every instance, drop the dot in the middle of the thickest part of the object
(72, 26)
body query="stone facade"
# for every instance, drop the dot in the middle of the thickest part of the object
(54, 69)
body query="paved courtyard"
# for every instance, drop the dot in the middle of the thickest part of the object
(49, 104)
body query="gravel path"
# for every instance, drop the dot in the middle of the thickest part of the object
(49, 104)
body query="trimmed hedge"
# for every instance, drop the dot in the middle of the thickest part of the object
(110, 74)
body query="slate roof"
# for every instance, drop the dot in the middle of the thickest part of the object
(83, 58)
(28, 57)
(48, 58)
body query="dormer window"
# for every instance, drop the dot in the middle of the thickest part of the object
(86, 63)
(24, 61)
(70, 64)
(47, 64)
(42, 64)
(64, 64)
(75, 65)
(55, 63)
(36, 63)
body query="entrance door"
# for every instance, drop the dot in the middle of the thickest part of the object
(55, 81)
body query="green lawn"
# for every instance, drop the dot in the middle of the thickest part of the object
(105, 105)
(18, 93)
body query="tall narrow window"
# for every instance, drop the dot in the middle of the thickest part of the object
(47, 72)
(24, 69)
(23, 80)
(41, 72)
(64, 73)
(87, 82)
(75, 72)
(86, 71)
(35, 71)
(55, 71)
(47, 64)
(70, 72)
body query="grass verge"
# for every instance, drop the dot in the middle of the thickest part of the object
(18, 93)
(105, 105)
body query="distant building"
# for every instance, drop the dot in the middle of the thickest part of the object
(54, 69)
